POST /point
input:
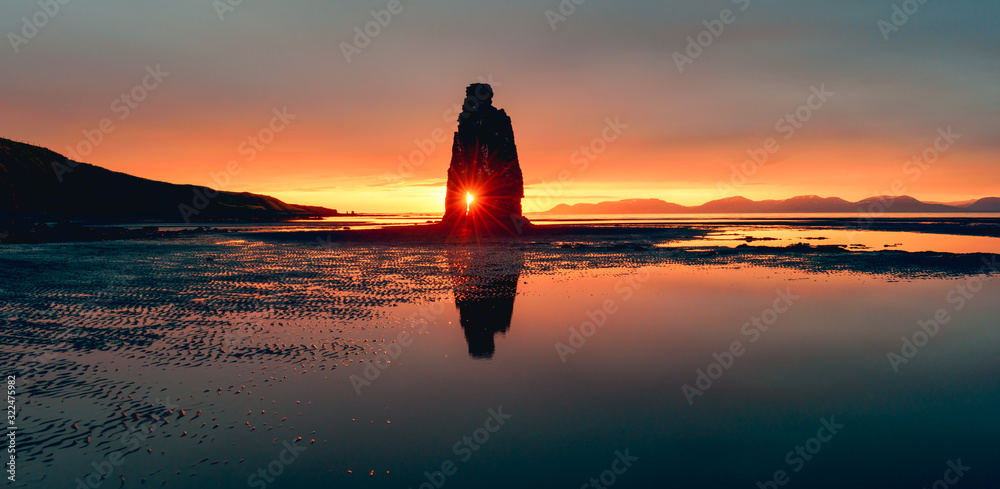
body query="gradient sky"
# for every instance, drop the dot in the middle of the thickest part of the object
(355, 120)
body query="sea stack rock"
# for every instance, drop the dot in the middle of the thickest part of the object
(485, 185)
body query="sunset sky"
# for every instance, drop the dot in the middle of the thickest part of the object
(228, 70)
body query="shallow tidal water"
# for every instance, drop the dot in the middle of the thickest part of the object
(231, 361)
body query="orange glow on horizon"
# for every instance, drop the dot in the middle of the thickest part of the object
(615, 121)
(354, 171)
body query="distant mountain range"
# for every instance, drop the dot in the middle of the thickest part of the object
(38, 183)
(801, 204)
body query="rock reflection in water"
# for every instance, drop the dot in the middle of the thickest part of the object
(485, 282)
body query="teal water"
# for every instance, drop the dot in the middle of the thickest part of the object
(464, 366)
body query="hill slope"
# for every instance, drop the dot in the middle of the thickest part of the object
(37, 182)
(800, 204)
(988, 204)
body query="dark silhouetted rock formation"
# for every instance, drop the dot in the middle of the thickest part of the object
(484, 165)
(36, 183)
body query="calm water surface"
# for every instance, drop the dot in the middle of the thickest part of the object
(523, 366)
